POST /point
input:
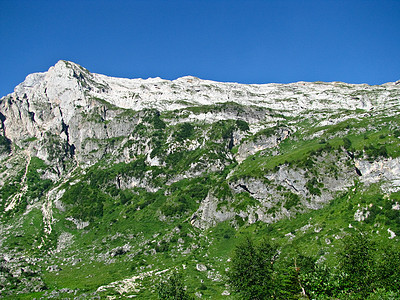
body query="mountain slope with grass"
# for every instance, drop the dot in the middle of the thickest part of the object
(108, 185)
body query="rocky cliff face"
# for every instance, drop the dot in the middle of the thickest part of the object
(69, 117)
(82, 152)
(58, 101)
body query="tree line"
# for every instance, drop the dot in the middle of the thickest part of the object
(258, 270)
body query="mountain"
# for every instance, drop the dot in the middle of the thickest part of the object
(108, 183)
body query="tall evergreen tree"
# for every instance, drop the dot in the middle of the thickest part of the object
(251, 273)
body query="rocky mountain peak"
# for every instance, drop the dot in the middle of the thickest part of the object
(70, 82)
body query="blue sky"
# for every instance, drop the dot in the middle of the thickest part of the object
(241, 41)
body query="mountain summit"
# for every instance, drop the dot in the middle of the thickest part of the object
(67, 77)
(107, 183)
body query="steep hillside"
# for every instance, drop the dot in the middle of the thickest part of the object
(108, 184)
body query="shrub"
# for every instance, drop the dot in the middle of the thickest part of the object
(242, 125)
(346, 143)
(5, 144)
(313, 186)
(87, 202)
(184, 131)
(328, 147)
(173, 288)
(292, 200)
(157, 122)
(374, 152)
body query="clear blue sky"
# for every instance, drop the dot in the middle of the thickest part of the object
(241, 41)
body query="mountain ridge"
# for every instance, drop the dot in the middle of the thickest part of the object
(185, 77)
(67, 86)
(66, 69)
